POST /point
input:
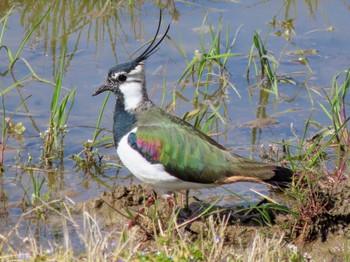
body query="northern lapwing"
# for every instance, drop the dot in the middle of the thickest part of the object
(165, 151)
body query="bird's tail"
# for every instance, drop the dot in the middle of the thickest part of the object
(281, 178)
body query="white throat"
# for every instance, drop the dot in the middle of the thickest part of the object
(132, 91)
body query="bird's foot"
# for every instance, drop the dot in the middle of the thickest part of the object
(135, 220)
(171, 202)
(151, 199)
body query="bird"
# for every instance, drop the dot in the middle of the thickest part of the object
(165, 151)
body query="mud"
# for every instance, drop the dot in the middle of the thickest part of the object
(323, 236)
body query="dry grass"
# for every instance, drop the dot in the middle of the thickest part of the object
(127, 244)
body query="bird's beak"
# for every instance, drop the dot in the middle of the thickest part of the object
(105, 87)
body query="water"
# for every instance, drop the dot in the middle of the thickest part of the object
(98, 38)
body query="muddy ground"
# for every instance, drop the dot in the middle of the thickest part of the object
(323, 235)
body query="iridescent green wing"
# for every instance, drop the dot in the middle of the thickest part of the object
(184, 151)
(192, 156)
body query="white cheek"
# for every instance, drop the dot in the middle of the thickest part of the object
(132, 92)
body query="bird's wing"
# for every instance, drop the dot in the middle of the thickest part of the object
(190, 155)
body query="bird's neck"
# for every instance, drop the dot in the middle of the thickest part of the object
(132, 99)
(124, 121)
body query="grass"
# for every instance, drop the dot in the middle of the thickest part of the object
(58, 116)
(170, 244)
(14, 58)
(86, 159)
(54, 136)
(208, 73)
(8, 128)
(155, 234)
(265, 67)
(314, 193)
(337, 114)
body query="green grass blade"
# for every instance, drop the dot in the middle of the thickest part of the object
(3, 125)
(97, 129)
(3, 20)
(14, 59)
(9, 53)
(57, 91)
(4, 91)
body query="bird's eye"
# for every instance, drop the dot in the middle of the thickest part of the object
(122, 78)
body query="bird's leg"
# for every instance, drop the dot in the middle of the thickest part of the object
(171, 199)
(187, 192)
(152, 198)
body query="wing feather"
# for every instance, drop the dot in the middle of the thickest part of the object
(189, 154)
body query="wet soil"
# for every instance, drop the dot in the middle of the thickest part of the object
(322, 237)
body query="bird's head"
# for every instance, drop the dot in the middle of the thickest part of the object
(127, 80)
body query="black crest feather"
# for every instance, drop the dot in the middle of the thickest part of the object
(152, 48)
